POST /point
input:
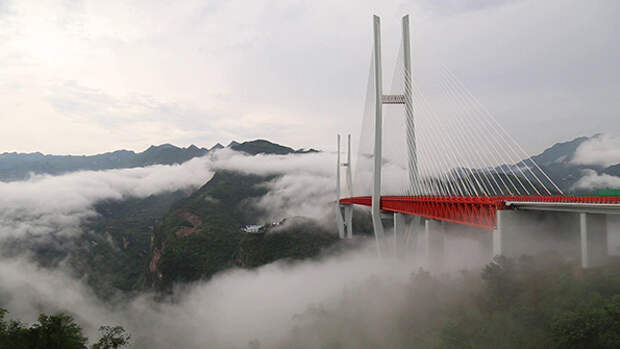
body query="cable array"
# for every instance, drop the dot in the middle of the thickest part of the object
(458, 147)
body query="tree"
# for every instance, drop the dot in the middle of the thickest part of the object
(593, 326)
(112, 338)
(56, 332)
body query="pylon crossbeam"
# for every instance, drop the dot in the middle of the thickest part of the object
(393, 99)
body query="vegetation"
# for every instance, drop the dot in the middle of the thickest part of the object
(535, 302)
(14, 166)
(202, 235)
(116, 244)
(296, 238)
(56, 332)
(261, 146)
(530, 302)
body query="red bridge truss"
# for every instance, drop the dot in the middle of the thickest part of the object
(478, 212)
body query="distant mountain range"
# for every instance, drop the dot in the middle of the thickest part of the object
(558, 162)
(177, 237)
(19, 166)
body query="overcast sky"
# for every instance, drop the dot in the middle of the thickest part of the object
(91, 76)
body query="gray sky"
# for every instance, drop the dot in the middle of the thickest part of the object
(92, 76)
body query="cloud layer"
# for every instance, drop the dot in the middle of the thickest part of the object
(602, 150)
(47, 204)
(291, 71)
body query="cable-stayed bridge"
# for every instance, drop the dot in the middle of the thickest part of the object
(437, 158)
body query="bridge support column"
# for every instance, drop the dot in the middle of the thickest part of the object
(505, 233)
(340, 221)
(593, 231)
(400, 230)
(348, 220)
(434, 232)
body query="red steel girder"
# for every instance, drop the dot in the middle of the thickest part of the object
(476, 211)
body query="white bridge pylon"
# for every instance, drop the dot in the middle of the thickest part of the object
(345, 226)
(462, 170)
(405, 99)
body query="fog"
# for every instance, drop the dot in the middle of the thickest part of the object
(592, 180)
(231, 310)
(271, 304)
(601, 150)
(46, 204)
(301, 304)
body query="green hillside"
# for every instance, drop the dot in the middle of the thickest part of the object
(202, 234)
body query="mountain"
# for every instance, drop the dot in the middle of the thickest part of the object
(216, 147)
(613, 170)
(560, 152)
(557, 162)
(116, 246)
(261, 146)
(202, 235)
(18, 166)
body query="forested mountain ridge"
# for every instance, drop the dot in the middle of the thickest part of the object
(202, 235)
(114, 248)
(559, 162)
(18, 166)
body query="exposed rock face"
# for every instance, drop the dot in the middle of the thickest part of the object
(191, 218)
(155, 260)
(186, 231)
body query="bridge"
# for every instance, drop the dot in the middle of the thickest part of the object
(450, 164)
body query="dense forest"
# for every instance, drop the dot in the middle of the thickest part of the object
(58, 331)
(529, 302)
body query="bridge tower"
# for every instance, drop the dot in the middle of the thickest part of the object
(345, 226)
(380, 99)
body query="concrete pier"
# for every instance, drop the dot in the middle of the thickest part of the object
(593, 237)
(434, 233)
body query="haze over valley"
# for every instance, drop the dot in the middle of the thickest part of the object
(170, 177)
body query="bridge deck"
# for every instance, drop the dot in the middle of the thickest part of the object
(481, 211)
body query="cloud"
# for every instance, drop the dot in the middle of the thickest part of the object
(592, 180)
(269, 304)
(276, 305)
(202, 314)
(47, 204)
(452, 7)
(293, 72)
(601, 150)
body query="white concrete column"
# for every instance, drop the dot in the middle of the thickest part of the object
(400, 227)
(505, 234)
(348, 218)
(434, 244)
(339, 220)
(497, 236)
(593, 232)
